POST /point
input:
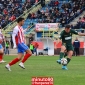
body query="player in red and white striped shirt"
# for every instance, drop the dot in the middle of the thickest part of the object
(19, 42)
(1, 47)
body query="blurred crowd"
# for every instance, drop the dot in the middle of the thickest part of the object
(61, 12)
(80, 23)
(55, 12)
(11, 9)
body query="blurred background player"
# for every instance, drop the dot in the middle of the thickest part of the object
(31, 48)
(76, 45)
(1, 47)
(66, 37)
(7, 47)
(35, 44)
(19, 43)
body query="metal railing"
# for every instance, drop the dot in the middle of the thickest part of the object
(76, 15)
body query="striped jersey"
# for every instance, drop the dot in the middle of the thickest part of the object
(19, 34)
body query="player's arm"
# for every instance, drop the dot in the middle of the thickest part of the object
(26, 29)
(81, 34)
(78, 33)
(15, 31)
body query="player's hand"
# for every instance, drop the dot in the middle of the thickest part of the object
(14, 47)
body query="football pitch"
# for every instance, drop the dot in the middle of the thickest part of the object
(44, 66)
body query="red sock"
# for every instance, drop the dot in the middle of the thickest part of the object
(26, 57)
(1, 57)
(14, 61)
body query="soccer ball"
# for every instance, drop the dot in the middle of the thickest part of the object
(64, 61)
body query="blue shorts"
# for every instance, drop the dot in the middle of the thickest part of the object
(1, 46)
(22, 47)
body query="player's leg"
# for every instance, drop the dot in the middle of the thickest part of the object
(1, 54)
(65, 53)
(32, 51)
(36, 51)
(5, 51)
(20, 55)
(14, 61)
(8, 51)
(76, 51)
(70, 53)
(63, 48)
(27, 55)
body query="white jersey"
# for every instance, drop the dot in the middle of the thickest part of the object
(18, 35)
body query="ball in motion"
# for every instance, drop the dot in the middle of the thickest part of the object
(64, 61)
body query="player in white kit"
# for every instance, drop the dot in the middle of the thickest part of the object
(1, 47)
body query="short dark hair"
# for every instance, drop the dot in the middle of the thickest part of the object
(67, 26)
(20, 19)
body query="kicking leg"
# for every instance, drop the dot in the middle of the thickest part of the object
(65, 53)
(27, 55)
(70, 53)
(1, 55)
(63, 48)
(20, 55)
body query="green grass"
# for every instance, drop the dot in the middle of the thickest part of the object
(44, 66)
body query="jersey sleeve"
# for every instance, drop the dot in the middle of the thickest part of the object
(15, 32)
(74, 32)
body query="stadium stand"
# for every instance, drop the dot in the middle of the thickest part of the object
(11, 9)
(61, 11)
(58, 11)
(80, 23)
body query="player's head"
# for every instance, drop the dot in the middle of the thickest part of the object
(67, 28)
(20, 21)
